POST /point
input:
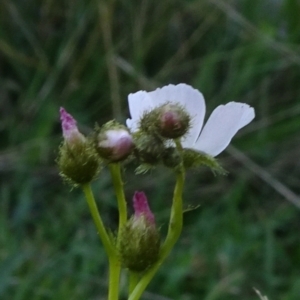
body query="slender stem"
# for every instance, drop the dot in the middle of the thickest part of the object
(133, 280)
(108, 246)
(114, 264)
(178, 145)
(114, 278)
(174, 230)
(115, 171)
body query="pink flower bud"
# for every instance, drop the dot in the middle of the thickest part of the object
(78, 160)
(173, 121)
(114, 144)
(139, 239)
(69, 128)
(141, 208)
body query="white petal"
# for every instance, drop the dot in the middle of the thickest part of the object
(186, 96)
(139, 103)
(222, 125)
(131, 125)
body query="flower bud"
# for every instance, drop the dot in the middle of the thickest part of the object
(78, 161)
(114, 142)
(148, 148)
(171, 158)
(170, 121)
(139, 240)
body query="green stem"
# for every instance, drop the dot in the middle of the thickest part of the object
(108, 246)
(114, 278)
(114, 264)
(115, 171)
(174, 230)
(133, 280)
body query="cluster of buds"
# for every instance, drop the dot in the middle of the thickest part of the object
(81, 157)
(166, 127)
(78, 161)
(159, 118)
(157, 129)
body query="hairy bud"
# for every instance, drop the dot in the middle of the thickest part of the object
(139, 240)
(114, 142)
(170, 121)
(148, 148)
(78, 161)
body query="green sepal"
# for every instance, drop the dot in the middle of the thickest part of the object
(191, 208)
(193, 159)
(143, 169)
(171, 158)
(149, 149)
(79, 163)
(138, 245)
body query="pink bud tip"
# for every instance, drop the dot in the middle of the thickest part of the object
(69, 126)
(141, 207)
(170, 119)
(174, 121)
(68, 123)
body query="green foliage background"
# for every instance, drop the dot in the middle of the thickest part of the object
(88, 56)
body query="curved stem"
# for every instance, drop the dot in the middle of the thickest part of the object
(108, 246)
(114, 264)
(133, 280)
(115, 171)
(174, 230)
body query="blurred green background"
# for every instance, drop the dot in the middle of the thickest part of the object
(88, 56)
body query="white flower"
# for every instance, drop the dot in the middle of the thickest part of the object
(214, 137)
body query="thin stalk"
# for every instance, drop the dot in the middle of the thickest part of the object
(108, 246)
(133, 281)
(174, 230)
(115, 171)
(114, 278)
(114, 264)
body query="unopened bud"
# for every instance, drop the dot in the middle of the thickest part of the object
(171, 158)
(114, 142)
(78, 161)
(148, 148)
(139, 240)
(170, 121)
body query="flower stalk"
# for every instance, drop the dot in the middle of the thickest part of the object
(107, 243)
(114, 263)
(114, 278)
(133, 281)
(174, 231)
(115, 171)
